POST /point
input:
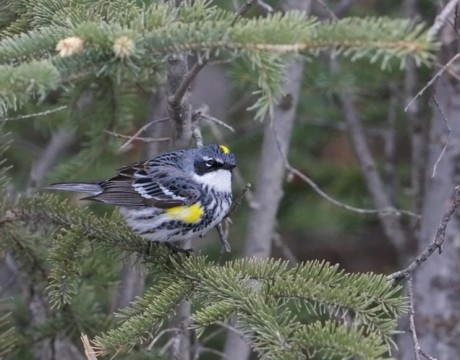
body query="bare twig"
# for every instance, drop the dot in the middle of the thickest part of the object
(329, 11)
(223, 61)
(206, 338)
(435, 244)
(412, 329)
(453, 74)
(231, 329)
(433, 79)
(89, 350)
(239, 199)
(135, 136)
(219, 122)
(243, 10)
(223, 233)
(159, 335)
(442, 18)
(179, 92)
(203, 113)
(446, 145)
(262, 5)
(382, 212)
(223, 236)
(28, 116)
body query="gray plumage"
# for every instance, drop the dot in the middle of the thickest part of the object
(147, 190)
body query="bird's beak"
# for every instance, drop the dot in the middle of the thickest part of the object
(229, 166)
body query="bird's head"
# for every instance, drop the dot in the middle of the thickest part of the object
(212, 158)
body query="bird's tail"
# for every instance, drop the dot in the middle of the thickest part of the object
(88, 187)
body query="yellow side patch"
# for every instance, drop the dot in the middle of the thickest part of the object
(224, 149)
(187, 214)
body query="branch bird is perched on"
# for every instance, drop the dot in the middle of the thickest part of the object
(173, 197)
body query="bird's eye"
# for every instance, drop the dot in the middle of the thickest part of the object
(210, 163)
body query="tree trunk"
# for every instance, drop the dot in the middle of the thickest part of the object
(270, 176)
(268, 193)
(437, 306)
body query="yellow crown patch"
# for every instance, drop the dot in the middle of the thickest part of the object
(224, 149)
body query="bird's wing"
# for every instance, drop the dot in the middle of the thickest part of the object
(161, 186)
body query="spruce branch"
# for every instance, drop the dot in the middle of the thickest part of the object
(201, 63)
(31, 80)
(139, 327)
(8, 335)
(64, 276)
(332, 339)
(256, 292)
(32, 45)
(251, 291)
(49, 209)
(207, 30)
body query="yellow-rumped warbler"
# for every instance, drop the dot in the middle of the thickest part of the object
(173, 197)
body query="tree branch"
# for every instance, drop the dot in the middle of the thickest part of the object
(182, 87)
(412, 329)
(135, 136)
(381, 212)
(442, 18)
(187, 80)
(59, 142)
(433, 80)
(179, 108)
(132, 138)
(435, 244)
(391, 226)
(449, 133)
(28, 116)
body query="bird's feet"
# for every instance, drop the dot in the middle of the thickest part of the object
(178, 250)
